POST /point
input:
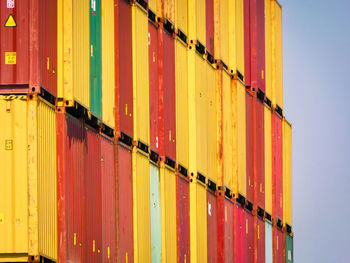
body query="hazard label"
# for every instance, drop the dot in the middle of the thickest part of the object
(10, 58)
(10, 22)
(8, 145)
(10, 4)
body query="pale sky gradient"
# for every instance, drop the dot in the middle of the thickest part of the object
(316, 46)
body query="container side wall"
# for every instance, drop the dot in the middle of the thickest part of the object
(14, 186)
(201, 210)
(229, 231)
(224, 16)
(240, 236)
(240, 36)
(260, 154)
(209, 19)
(249, 237)
(181, 15)
(268, 160)
(153, 85)
(181, 94)
(280, 247)
(289, 249)
(183, 219)
(260, 17)
(156, 239)
(125, 68)
(109, 227)
(81, 52)
(212, 227)
(93, 202)
(268, 51)
(169, 10)
(241, 137)
(250, 146)
(14, 47)
(47, 194)
(169, 96)
(201, 20)
(125, 206)
(108, 63)
(261, 241)
(287, 173)
(268, 242)
(247, 51)
(278, 49)
(278, 144)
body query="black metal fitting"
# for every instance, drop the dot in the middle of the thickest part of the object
(143, 147)
(201, 177)
(170, 162)
(200, 48)
(211, 185)
(182, 36)
(240, 75)
(154, 156)
(47, 96)
(182, 170)
(124, 138)
(260, 94)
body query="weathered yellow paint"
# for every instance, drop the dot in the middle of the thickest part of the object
(108, 63)
(239, 36)
(152, 4)
(60, 50)
(228, 131)
(141, 207)
(200, 20)
(201, 208)
(231, 30)
(169, 10)
(287, 172)
(181, 92)
(268, 51)
(268, 160)
(181, 15)
(13, 179)
(241, 137)
(234, 185)
(224, 30)
(140, 74)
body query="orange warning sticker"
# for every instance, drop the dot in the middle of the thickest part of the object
(10, 58)
(10, 22)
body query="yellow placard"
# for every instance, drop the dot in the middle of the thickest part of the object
(10, 58)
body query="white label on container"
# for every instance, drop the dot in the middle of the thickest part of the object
(209, 208)
(11, 4)
(93, 5)
(289, 255)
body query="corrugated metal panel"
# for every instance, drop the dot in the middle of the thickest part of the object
(229, 101)
(108, 177)
(209, 19)
(75, 188)
(268, 242)
(169, 10)
(260, 154)
(125, 205)
(229, 231)
(249, 237)
(241, 138)
(169, 96)
(183, 219)
(260, 18)
(181, 15)
(247, 40)
(125, 71)
(280, 247)
(152, 4)
(47, 194)
(14, 186)
(224, 30)
(232, 30)
(200, 10)
(156, 239)
(201, 115)
(250, 100)
(289, 249)
(140, 74)
(108, 62)
(141, 204)
(201, 210)
(287, 173)
(170, 216)
(278, 165)
(181, 93)
(261, 240)
(153, 85)
(240, 36)
(93, 202)
(14, 47)
(268, 160)
(212, 227)
(48, 45)
(268, 50)
(240, 235)
(211, 121)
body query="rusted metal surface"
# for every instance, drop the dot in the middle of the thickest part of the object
(212, 227)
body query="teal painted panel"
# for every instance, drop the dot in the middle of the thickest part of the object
(289, 249)
(156, 238)
(95, 58)
(268, 242)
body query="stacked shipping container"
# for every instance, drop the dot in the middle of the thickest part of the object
(150, 132)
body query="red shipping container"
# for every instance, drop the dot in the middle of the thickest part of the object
(260, 17)
(125, 205)
(212, 227)
(240, 235)
(93, 202)
(249, 237)
(209, 11)
(247, 50)
(278, 246)
(261, 240)
(229, 230)
(153, 85)
(253, 45)
(183, 220)
(169, 96)
(260, 154)
(108, 174)
(250, 100)
(278, 165)
(125, 68)
(48, 45)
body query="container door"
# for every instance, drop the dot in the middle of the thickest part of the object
(212, 227)
(249, 237)
(240, 235)
(289, 249)
(268, 242)
(280, 247)
(229, 231)
(261, 240)
(156, 240)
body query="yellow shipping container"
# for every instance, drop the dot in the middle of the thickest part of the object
(268, 51)
(224, 31)
(141, 207)
(239, 36)
(169, 10)
(28, 171)
(108, 63)
(241, 138)
(140, 74)
(268, 159)
(181, 93)
(73, 51)
(231, 30)
(200, 21)
(287, 173)
(181, 15)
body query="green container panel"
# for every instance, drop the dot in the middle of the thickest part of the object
(289, 249)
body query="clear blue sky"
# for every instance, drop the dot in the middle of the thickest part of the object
(316, 46)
